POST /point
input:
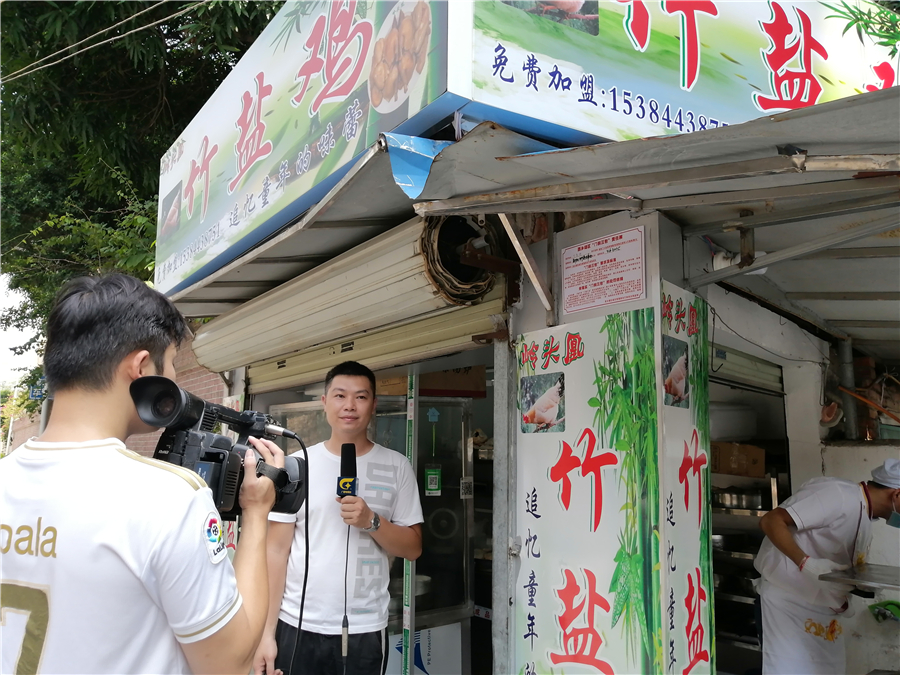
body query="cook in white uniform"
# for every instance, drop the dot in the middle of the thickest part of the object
(825, 526)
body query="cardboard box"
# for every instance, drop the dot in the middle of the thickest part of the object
(468, 382)
(738, 459)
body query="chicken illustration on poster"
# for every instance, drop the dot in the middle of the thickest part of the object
(588, 586)
(688, 596)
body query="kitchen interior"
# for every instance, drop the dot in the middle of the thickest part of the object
(750, 473)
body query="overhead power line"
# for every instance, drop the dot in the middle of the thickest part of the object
(28, 70)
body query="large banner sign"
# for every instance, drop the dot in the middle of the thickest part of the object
(688, 589)
(637, 68)
(314, 91)
(588, 589)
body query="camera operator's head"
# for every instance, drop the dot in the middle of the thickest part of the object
(103, 333)
(349, 400)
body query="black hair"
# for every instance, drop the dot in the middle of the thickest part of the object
(352, 369)
(875, 484)
(98, 321)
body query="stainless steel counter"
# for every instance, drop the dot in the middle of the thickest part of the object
(868, 577)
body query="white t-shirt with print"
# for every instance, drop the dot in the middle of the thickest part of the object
(109, 561)
(831, 515)
(388, 485)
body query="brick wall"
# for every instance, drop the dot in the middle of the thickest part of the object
(23, 429)
(193, 377)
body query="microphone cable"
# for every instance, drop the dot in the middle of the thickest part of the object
(290, 434)
(345, 625)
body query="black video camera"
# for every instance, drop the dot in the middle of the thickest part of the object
(189, 441)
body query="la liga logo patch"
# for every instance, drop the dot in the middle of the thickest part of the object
(214, 536)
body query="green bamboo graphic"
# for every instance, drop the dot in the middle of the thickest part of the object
(626, 419)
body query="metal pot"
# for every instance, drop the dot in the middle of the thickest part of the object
(751, 499)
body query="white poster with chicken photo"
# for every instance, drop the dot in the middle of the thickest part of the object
(588, 578)
(685, 466)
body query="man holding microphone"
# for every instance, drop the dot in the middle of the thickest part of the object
(384, 519)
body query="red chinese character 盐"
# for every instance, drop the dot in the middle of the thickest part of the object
(886, 74)
(792, 88)
(250, 147)
(591, 464)
(550, 352)
(574, 348)
(690, 36)
(341, 67)
(198, 170)
(694, 634)
(529, 354)
(580, 645)
(637, 23)
(692, 462)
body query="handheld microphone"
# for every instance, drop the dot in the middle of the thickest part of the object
(346, 482)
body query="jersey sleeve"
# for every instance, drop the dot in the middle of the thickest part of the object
(192, 573)
(408, 509)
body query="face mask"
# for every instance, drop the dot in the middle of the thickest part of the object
(894, 519)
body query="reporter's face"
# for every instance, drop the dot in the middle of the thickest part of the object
(349, 404)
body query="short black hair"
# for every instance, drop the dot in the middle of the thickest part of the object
(352, 369)
(98, 321)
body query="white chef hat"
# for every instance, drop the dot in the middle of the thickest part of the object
(888, 474)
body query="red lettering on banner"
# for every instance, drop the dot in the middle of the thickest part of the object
(529, 354)
(792, 88)
(340, 68)
(591, 464)
(690, 35)
(694, 634)
(692, 462)
(885, 72)
(574, 348)
(637, 23)
(198, 170)
(250, 147)
(566, 463)
(550, 352)
(692, 328)
(580, 645)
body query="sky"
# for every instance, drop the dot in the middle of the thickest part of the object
(12, 338)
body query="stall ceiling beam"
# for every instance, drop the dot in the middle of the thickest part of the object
(545, 206)
(243, 284)
(862, 252)
(528, 262)
(855, 296)
(876, 343)
(862, 323)
(291, 260)
(803, 214)
(876, 226)
(889, 162)
(779, 164)
(767, 194)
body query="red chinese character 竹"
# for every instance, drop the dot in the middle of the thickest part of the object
(591, 463)
(792, 88)
(692, 328)
(690, 36)
(250, 147)
(580, 645)
(197, 170)
(574, 348)
(529, 354)
(694, 634)
(550, 352)
(637, 23)
(885, 72)
(692, 462)
(341, 68)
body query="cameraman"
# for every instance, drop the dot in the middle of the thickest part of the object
(112, 562)
(360, 532)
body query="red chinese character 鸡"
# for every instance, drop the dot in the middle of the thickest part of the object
(341, 67)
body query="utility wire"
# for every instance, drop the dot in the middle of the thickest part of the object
(105, 30)
(29, 70)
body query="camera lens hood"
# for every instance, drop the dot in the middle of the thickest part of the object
(162, 403)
